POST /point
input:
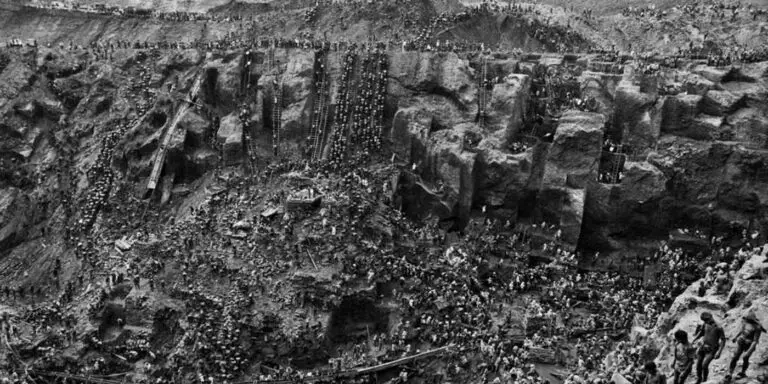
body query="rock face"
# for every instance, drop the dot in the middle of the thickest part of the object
(410, 130)
(448, 162)
(571, 164)
(230, 137)
(419, 201)
(574, 156)
(650, 197)
(15, 76)
(719, 103)
(749, 126)
(748, 294)
(629, 207)
(431, 120)
(14, 209)
(297, 97)
(292, 76)
(636, 116)
(502, 178)
(507, 105)
(679, 113)
(444, 74)
(196, 128)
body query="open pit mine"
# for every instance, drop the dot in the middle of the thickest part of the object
(387, 191)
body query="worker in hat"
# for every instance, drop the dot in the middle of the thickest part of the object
(746, 342)
(713, 342)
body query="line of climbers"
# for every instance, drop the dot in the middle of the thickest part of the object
(483, 92)
(277, 112)
(368, 110)
(359, 114)
(321, 107)
(341, 116)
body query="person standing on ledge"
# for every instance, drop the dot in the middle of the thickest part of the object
(746, 342)
(684, 353)
(712, 345)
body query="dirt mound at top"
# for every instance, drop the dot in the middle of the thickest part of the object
(507, 32)
(608, 7)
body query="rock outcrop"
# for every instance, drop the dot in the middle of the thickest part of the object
(679, 115)
(14, 216)
(637, 117)
(748, 294)
(230, 137)
(570, 166)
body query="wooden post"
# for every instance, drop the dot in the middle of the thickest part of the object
(313, 260)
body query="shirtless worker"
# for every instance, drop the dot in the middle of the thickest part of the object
(711, 347)
(746, 342)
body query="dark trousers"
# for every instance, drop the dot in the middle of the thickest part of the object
(745, 348)
(705, 355)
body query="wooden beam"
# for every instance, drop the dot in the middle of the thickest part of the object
(159, 161)
(404, 360)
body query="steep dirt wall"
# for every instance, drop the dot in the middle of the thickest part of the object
(52, 26)
(431, 107)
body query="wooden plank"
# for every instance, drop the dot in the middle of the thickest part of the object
(402, 361)
(347, 373)
(157, 168)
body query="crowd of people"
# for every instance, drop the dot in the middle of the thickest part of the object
(418, 34)
(699, 10)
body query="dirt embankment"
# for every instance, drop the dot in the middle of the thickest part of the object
(81, 28)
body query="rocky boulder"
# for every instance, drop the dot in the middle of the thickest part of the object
(715, 75)
(636, 115)
(750, 126)
(694, 84)
(679, 113)
(719, 103)
(230, 137)
(444, 74)
(506, 107)
(419, 201)
(197, 128)
(297, 97)
(574, 156)
(564, 206)
(705, 127)
(629, 207)
(570, 165)
(410, 130)
(15, 76)
(502, 177)
(448, 163)
(222, 81)
(642, 182)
